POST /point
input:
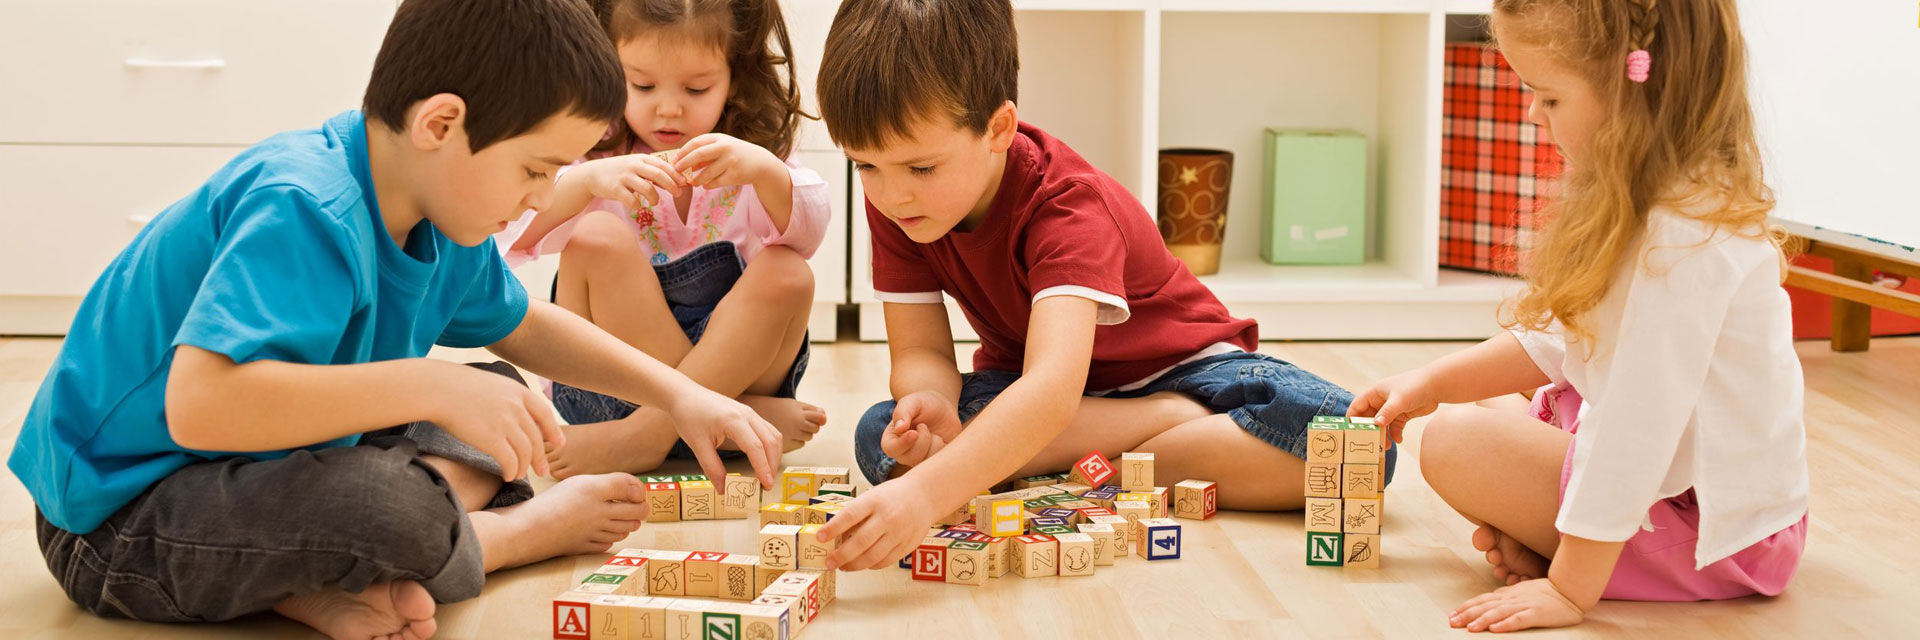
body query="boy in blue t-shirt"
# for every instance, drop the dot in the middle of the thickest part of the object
(211, 443)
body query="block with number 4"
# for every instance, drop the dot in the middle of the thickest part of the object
(1159, 539)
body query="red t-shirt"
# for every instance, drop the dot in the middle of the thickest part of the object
(1058, 226)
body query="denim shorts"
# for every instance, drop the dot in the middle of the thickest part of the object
(694, 284)
(1268, 397)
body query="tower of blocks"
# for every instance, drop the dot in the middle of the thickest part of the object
(1344, 491)
(1062, 525)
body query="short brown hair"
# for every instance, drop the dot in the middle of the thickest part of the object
(891, 63)
(516, 63)
(764, 108)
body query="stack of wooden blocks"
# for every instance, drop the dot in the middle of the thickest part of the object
(643, 593)
(809, 495)
(694, 497)
(1061, 525)
(1345, 493)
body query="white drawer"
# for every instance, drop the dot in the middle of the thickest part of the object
(68, 210)
(182, 71)
(830, 261)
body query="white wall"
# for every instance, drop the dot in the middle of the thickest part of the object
(1836, 86)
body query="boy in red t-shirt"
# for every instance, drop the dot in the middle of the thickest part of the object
(1093, 337)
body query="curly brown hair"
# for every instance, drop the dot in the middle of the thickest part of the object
(764, 107)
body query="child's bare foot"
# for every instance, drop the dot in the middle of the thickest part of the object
(581, 514)
(1512, 561)
(400, 610)
(796, 420)
(636, 443)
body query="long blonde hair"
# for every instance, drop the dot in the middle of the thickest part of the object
(1683, 137)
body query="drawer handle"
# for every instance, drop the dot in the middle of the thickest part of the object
(140, 220)
(209, 64)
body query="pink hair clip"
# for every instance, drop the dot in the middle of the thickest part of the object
(1638, 64)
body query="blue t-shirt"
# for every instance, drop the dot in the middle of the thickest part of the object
(281, 255)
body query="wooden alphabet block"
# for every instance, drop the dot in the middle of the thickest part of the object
(647, 618)
(780, 513)
(1195, 499)
(1002, 518)
(813, 552)
(835, 489)
(761, 622)
(1323, 480)
(1093, 470)
(779, 544)
(1360, 480)
(739, 498)
(1324, 549)
(1322, 514)
(811, 585)
(818, 513)
(572, 617)
(1361, 515)
(1076, 554)
(830, 475)
(663, 502)
(1159, 539)
(1136, 471)
(930, 560)
(736, 577)
(794, 607)
(796, 485)
(997, 551)
(667, 573)
(1361, 550)
(609, 616)
(683, 618)
(1364, 443)
(1121, 527)
(1325, 442)
(703, 573)
(1036, 481)
(1102, 536)
(764, 577)
(697, 500)
(967, 563)
(1039, 555)
(1073, 488)
(617, 584)
(1134, 511)
(1162, 502)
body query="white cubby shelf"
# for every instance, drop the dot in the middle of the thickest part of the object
(1118, 80)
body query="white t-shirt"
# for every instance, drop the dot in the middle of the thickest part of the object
(1695, 385)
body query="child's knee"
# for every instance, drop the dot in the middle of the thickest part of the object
(779, 275)
(599, 235)
(1446, 442)
(866, 441)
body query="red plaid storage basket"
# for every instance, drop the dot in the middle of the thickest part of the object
(1497, 170)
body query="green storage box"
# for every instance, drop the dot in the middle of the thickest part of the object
(1314, 200)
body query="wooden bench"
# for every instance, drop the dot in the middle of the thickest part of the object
(1852, 288)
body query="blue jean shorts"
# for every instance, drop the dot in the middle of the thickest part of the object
(694, 284)
(1266, 396)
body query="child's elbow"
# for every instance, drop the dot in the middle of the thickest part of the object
(189, 405)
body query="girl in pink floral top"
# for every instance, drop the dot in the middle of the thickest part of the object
(686, 234)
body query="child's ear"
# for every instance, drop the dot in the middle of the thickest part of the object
(1002, 126)
(437, 122)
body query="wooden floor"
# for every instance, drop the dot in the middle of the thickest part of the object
(1243, 574)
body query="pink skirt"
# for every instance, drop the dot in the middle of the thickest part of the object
(1658, 565)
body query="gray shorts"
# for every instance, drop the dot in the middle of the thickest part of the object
(236, 536)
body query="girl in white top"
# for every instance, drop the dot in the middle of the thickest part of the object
(1664, 455)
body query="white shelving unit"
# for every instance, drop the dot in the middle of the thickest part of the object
(1121, 79)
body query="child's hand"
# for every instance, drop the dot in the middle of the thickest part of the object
(499, 416)
(880, 527)
(720, 160)
(910, 446)
(633, 180)
(932, 410)
(706, 419)
(1394, 401)
(1528, 604)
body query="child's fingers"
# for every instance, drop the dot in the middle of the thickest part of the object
(749, 441)
(1366, 404)
(697, 153)
(770, 438)
(640, 193)
(849, 515)
(710, 464)
(661, 168)
(543, 417)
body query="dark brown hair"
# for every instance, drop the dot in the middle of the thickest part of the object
(516, 63)
(889, 64)
(764, 106)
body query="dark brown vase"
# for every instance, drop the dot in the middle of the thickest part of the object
(1193, 205)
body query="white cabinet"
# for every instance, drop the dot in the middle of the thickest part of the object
(1120, 79)
(115, 109)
